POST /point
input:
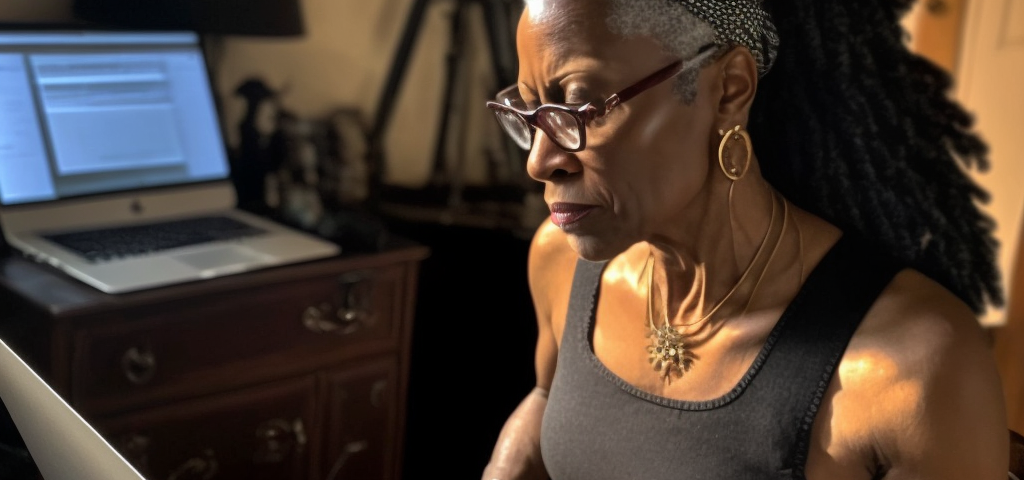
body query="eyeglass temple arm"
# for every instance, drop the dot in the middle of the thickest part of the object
(644, 83)
(658, 77)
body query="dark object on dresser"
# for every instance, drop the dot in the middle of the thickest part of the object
(251, 163)
(233, 17)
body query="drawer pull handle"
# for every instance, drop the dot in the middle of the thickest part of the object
(300, 433)
(275, 439)
(196, 468)
(344, 321)
(378, 392)
(138, 365)
(346, 452)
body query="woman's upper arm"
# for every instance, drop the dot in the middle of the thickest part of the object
(939, 411)
(550, 270)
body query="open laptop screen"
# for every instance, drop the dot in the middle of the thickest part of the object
(88, 112)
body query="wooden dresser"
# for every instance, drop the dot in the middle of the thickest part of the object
(296, 372)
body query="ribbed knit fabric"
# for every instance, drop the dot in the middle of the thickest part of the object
(596, 426)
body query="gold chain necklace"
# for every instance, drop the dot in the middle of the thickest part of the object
(668, 352)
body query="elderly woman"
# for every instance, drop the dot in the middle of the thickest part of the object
(762, 260)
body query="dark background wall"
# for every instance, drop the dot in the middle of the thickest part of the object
(473, 345)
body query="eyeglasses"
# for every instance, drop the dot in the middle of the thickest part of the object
(566, 125)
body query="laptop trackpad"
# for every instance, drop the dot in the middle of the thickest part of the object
(223, 260)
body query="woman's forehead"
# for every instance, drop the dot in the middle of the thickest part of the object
(564, 28)
(555, 35)
(564, 22)
(545, 10)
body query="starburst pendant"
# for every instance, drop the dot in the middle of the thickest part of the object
(668, 353)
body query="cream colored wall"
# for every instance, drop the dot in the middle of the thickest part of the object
(344, 60)
(989, 65)
(989, 85)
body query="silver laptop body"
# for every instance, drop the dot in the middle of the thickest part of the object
(106, 129)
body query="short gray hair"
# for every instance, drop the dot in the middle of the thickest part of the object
(669, 23)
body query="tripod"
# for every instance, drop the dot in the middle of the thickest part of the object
(498, 16)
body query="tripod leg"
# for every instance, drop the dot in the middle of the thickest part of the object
(388, 96)
(498, 18)
(454, 57)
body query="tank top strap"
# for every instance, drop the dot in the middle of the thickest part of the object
(586, 286)
(813, 335)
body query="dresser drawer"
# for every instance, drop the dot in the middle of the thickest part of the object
(215, 342)
(361, 424)
(263, 432)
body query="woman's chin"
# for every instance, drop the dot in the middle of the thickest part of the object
(596, 249)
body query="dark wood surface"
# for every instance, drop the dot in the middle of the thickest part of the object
(290, 372)
(62, 296)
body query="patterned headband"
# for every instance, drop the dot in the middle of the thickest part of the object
(742, 22)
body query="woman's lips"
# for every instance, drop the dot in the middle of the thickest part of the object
(565, 214)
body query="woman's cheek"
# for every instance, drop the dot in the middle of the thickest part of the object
(656, 124)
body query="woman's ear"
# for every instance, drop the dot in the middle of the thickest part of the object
(738, 83)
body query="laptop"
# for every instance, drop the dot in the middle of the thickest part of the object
(113, 166)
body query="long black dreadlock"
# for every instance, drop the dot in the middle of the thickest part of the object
(852, 126)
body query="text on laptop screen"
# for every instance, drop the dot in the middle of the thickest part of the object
(94, 112)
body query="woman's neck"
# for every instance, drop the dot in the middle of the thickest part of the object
(712, 265)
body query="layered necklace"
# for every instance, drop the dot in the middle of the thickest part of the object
(668, 352)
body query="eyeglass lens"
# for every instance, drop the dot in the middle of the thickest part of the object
(516, 127)
(558, 125)
(561, 127)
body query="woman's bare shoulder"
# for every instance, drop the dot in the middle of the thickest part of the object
(552, 262)
(918, 383)
(916, 321)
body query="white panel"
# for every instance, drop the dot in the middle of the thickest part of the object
(62, 444)
(1013, 29)
(988, 84)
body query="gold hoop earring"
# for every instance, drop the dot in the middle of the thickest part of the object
(736, 133)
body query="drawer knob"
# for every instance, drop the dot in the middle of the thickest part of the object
(325, 318)
(135, 448)
(196, 468)
(138, 365)
(276, 439)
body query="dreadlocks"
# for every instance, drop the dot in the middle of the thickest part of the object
(853, 127)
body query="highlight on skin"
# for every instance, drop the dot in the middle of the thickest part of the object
(535, 8)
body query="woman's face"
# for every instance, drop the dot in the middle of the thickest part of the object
(645, 165)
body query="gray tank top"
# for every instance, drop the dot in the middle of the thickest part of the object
(596, 426)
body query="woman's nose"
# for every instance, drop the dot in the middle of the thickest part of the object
(548, 162)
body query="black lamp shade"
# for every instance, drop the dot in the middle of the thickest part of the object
(231, 17)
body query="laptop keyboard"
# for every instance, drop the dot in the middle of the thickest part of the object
(121, 242)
